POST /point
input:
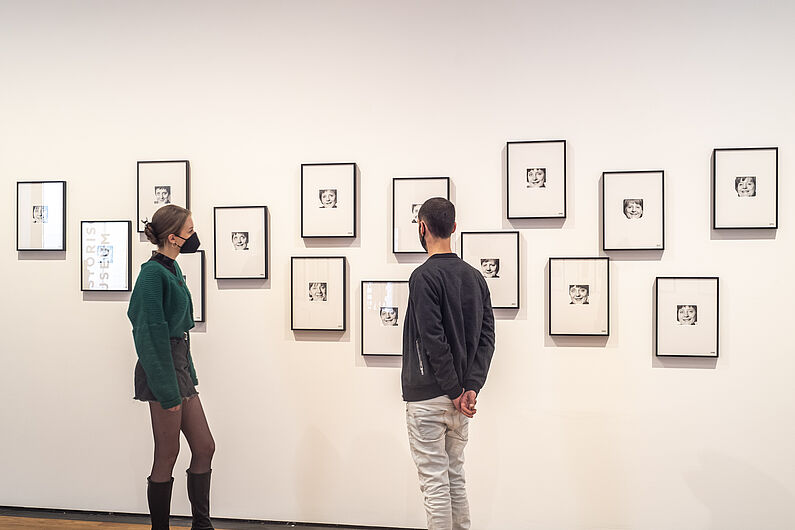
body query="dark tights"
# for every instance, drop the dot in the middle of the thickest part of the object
(166, 426)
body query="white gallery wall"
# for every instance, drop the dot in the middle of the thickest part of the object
(577, 433)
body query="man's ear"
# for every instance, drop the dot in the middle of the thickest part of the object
(455, 225)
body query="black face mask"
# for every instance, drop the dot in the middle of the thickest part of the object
(190, 245)
(422, 238)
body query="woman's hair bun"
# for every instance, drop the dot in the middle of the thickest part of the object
(150, 234)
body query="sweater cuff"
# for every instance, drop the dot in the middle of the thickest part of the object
(472, 385)
(170, 403)
(454, 393)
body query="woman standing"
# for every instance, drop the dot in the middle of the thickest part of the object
(161, 312)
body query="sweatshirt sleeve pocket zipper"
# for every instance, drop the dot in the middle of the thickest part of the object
(419, 356)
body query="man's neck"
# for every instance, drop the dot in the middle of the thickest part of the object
(439, 246)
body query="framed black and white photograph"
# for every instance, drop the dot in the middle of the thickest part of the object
(328, 200)
(579, 296)
(194, 276)
(105, 263)
(633, 210)
(41, 215)
(687, 316)
(496, 256)
(318, 294)
(536, 172)
(745, 187)
(240, 242)
(161, 182)
(384, 306)
(408, 195)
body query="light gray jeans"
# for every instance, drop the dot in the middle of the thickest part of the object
(438, 434)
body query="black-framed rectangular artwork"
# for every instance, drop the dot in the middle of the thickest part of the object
(194, 276)
(408, 195)
(328, 200)
(41, 215)
(633, 210)
(745, 187)
(384, 304)
(687, 316)
(318, 297)
(536, 179)
(105, 262)
(161, 182)
(579, 296)
(496, 256)
(240, 242)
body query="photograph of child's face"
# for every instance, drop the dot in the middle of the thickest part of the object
(745, 186)
(240, 240)
(579, 294)
(415, 210)
(318, 292)
(633, 208)
(162, 194)
(687, 315)
(490, 267)
(389, 316)
(328, 198)
(40, 214)
(537, 177)
(105, 253)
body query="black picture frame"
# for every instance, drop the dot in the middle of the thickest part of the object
(363, 325)
(202, 298)
(553, 212)
(696, 320)
(642, 173)
(140, 219)
(348, 233)
(19, 213)
(606, 308)
(128, 264)
(342, 326)
(396, 181)
(222, 254)
(717, 189)
(497, 233)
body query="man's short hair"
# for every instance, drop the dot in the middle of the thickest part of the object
(439, 216)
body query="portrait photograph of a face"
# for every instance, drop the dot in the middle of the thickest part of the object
(328, 200)
(496, 256)
(745, 187)
(687, 316)
(41, 215)
(579, 296)
(383, 311)
(193, 270)
(536, 187)
(408, 195)
(240, 242)
(161, 182)
(318, 293)
(105, 263)
(633, 210)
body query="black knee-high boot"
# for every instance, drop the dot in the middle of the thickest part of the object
(199, 496)
(159, 496)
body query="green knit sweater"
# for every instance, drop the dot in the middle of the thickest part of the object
(160, 308)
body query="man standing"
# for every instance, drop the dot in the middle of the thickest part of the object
(448, 342)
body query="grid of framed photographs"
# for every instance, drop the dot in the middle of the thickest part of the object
(161, 182)
(408, 194)
(318, 296)
(536, 175)
(579, 296)
(687, 316)
(633, 210)
(328, 200)
(240, 241)
(384, 304)
(194, 276)
(496, 256)
(105, 263)
(41, 215)
(745, 187)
